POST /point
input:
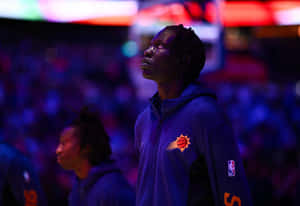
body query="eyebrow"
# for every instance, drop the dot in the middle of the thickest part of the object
(158, 41)
(62, 139)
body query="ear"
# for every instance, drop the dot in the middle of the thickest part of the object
(86, 150)
(188, 59)
(185, 59)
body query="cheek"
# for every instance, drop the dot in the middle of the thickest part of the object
(69, 160)
(166, 59)
(71, 152)
(161, 63)
(165, 67)
(75, 152)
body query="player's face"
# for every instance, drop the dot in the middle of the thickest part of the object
(68, 151)
(158, 64)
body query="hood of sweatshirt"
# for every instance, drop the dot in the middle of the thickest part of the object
(95, 174)
(163, 108)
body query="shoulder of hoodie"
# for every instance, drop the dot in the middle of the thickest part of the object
(113, 187)
(13, 164)
(113, 183)
(204, 106)
(114, 190)
(10, 155)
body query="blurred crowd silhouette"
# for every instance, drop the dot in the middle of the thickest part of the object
(44, 83)
(266, 122)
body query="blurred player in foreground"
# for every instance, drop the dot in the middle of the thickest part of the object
(19, 184)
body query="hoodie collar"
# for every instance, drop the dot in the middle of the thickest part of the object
(96, 173)
(162, 107)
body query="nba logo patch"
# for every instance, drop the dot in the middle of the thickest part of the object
(231, 168)
(26, 176)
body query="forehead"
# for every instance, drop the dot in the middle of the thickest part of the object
(165, 36)
(67, 133)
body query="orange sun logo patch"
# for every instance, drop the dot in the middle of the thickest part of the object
(182, 142)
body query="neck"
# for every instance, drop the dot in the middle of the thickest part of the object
(170, 90)
(83, 170)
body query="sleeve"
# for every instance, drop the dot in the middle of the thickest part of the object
(224, 164)
(24, 183)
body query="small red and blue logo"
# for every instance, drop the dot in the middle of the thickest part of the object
(182, 142)
(231, 168)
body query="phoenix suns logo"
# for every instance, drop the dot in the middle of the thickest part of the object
(182, 142)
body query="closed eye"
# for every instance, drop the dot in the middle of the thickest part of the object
(160, 46)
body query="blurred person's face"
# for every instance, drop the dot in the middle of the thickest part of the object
(158, 63)
(68, 152)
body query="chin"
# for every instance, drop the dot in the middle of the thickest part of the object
(147, 74)
(65, 166)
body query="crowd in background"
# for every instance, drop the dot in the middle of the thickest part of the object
(42, 88)
(266, 122)
(43, 85)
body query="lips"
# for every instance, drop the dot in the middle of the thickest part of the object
(145, 63)
(58, 159)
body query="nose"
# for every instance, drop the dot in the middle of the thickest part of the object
(149, 51)
(58, 150)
